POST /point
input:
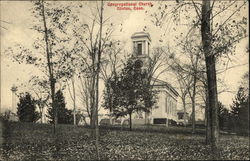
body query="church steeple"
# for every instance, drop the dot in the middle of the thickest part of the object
(141, 43)
(141, 48)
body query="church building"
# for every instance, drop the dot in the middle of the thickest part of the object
(165, 108)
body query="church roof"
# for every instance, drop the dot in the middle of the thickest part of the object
(141, 34)
(158, 82)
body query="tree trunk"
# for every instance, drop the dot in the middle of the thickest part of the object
(53, 103)
(130, 121)
(50, 66)
(211, 71)
(193, 116)
(97, 85)
(184, 109)
(194, 91)
(92, 106)
(110, 118)
(213, 99)
(74, 99)
(208, 119)
(41, 113)
(96, 114)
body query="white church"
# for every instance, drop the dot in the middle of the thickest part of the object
(166, 106)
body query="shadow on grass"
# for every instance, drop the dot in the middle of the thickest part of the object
(6, 135)
(155, 129)
(31, 141)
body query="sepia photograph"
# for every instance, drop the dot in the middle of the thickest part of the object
(124, 80)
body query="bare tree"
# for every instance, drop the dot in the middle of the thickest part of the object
(157, 64)
(218, 39)
(85, 91)
(186, 70)
(50, 64)
(49, 53)
(72, 93)
(92, 39)
(110, 66)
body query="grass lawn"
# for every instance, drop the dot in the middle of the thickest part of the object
(27, 141)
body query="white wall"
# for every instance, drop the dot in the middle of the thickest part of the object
(160, 111)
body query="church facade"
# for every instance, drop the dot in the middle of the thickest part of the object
(165, 109)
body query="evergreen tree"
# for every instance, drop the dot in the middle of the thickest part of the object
(26, 109)
(240, 111)
(130, 90)
(65, 116)
(223, 113)
(238, 101)
(244, 116)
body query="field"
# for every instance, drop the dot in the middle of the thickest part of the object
(27, 141)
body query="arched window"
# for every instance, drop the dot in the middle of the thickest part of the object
(138, 64)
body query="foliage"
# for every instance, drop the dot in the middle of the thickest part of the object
(223, 113)
(245, 82)
(228, 24)
(221, 25)
(26, 141)
(238, 101)
(129, 91)
(240, 110)
(64, 115)
(26, 109)
(6, 115)
(51, 51)
(244, 116)
(38, 87)
(59, 18)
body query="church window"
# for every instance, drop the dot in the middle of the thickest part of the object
(166, 105)
(139, 48)
(170, 107)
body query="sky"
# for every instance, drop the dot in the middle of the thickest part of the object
(15, 28)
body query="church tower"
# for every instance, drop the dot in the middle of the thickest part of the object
(141, 48)
(141, 45)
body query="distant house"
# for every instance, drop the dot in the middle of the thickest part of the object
(82, 119)
(43, 119)
(180, 117)
(10, 116)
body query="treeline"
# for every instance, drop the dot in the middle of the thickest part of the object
(26, 110)
(236, 119)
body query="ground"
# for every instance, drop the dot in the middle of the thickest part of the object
(28, 141)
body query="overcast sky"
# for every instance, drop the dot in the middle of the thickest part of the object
(19, 19)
